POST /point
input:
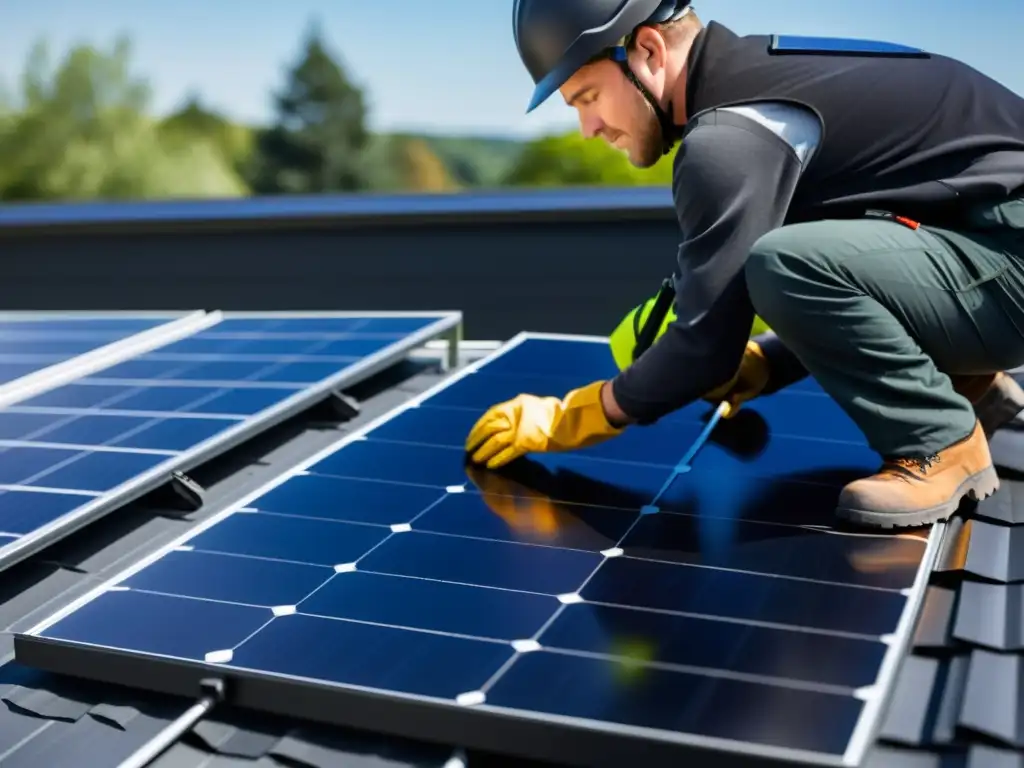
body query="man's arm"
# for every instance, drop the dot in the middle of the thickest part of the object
(733, 183)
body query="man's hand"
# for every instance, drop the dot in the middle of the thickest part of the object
(532, 424)
(749, 381)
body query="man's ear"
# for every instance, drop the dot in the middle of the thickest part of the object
(650, 49)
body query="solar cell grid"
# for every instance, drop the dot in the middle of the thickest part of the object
(134, 422)
(31, 342)
(727, 614)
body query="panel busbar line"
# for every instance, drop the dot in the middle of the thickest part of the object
(74, 452)
(544, 610)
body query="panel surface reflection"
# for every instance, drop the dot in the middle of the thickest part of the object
(805, 553)
(676, 701)
(785, 653)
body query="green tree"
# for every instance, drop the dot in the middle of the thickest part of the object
(571, 160)
(80, 131)
(320, 132)
(195, 123)
(7, 120)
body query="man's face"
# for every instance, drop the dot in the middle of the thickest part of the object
(611, 107)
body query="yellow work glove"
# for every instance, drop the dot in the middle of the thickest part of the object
(532, 424)
(749, 381)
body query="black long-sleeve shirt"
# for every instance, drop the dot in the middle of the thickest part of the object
(733, 182)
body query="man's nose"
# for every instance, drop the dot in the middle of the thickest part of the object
(590, 126)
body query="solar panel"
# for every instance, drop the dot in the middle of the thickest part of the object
(43, 346)
(588, 607)
(76, 451)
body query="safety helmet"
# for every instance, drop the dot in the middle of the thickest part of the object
(555, 38)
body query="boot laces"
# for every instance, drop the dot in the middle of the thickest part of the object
(919, 464)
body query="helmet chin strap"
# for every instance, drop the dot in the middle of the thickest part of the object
(670, 132)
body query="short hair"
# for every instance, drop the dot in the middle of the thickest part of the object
(677, 30)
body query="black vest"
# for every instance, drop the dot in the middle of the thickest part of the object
(923, 135)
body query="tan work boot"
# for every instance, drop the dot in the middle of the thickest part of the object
(996, 397)
(911, 492)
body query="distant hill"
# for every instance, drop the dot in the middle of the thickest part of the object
(470, 161)
(476, 162)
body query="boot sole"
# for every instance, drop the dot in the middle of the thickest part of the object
(977, 487)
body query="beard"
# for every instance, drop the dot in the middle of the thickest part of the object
(647, 145)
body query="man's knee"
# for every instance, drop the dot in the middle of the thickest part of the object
(780, 263)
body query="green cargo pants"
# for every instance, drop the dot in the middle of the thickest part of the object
(879, 313)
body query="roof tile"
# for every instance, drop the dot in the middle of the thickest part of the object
(991, 615)
(993, 697)
(925, 702)
(320, 749)
(1007, 504)
(996, 551)
(41, 703)
(1007, 446)
(895, 757)
(990, 757)
(935, 623)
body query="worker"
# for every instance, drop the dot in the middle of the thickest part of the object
(865, 199)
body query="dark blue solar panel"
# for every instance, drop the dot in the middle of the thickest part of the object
(69, 468)
(53, 326)
(32, 343)
(147, 433)
(717, 601)
(24, 511)
(96, 434)
(157, 397)
(279, 371)
(327, 326)
(349, 347)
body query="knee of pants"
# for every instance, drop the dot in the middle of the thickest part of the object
(772, 272)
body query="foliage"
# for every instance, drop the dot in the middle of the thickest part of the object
(81, 132)
(419, 168)
(571, 160)
(468, 162)
(195, 123)
(316, 143)
(405, 163)
(476, 161)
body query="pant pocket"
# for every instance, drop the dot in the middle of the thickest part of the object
(983, 257)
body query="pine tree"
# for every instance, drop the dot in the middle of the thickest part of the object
(320, 132)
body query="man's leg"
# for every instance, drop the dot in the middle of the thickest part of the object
(876, 311)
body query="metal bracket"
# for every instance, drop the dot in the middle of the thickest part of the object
(337, 406)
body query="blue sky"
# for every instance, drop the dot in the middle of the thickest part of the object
(445, 65)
